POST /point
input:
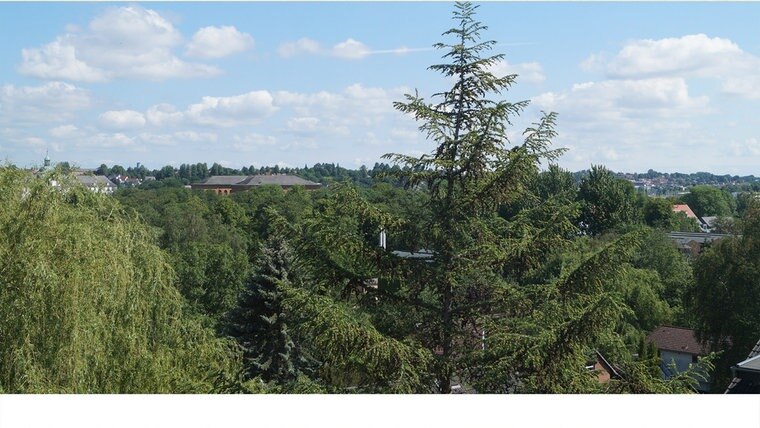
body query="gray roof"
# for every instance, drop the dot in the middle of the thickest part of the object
(682, 238)
(421, 254)
(282, 180)
(750, 364)
(257, 180)
(225, 179)
(743, 384)
(95, 181)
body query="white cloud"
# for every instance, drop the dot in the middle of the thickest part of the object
(625, 99)
(231, 111)
(530, 72)
(350, 49)
(122, 119)
(303, 124)
(53, 101)
(299, 47)
(158, 139)
(688, 54)
(749, 147)
(163, 114)
(626, 124)
(252, 141)
(177, 138)
(218, 42)
(64, 131)
(196, 137)
(695, 55)
(106, 140)
(355, 105)
(58, 60)
(125, 42)
(347, 49)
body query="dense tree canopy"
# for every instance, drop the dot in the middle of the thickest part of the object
(726, 295)
(709, 201)
(607, 202)
(88, 303)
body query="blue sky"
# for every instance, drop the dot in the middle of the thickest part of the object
(668, 86)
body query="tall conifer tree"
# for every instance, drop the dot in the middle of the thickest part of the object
(472, 172)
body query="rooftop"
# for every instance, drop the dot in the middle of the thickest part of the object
(95, 180)
(683, 208)
(257, 180)
(744, 381)
(677, 339)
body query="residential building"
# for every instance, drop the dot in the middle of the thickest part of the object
(683, 208)
(224, 185)
(97, 183)
(692, 243)
(679, 350)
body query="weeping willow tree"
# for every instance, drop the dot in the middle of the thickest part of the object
(88, 302)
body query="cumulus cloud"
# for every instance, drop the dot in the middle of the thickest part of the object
(696, 55)
(124, 42)
(231, 111)
(53, 101)
(252, 141)
(620, 99)
(176, 138)
(355, 105)
(218, 42)
(530, 72)
(625, 122)
(64, 131)
(299, 47)
(122, 119)
(163, 114)
(350, 49)
(106, 140)
(347, 49)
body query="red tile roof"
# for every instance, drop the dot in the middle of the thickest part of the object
(683, 208)
(677, 339)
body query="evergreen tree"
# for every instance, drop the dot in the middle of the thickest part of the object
(259, 323)
(472, 172)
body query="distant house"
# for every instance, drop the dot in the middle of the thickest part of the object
(602, 368)
(97, 183)
(683, 208)
(678, 349)
(692, 243)
(709, 223)
(224, 185)
(746, 374)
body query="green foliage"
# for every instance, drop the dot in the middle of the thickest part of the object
(354, 354)
(607, 202)
(87, 301)
(659, 254)
(211, 276)
(260, 325)
(709, 201)
(726, 295)
(659, 214)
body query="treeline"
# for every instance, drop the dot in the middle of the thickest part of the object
(319, 172)
(364, 176)
(696, 178)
